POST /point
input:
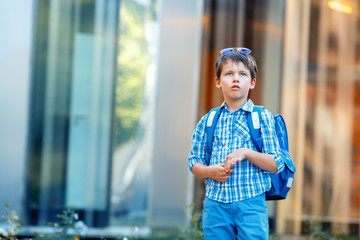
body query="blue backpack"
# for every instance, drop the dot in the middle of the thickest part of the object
(282, 182)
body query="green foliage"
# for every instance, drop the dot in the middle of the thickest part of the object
(194, 231)
(13, 224)
(133, 61)
(66, 221)
(317, 232)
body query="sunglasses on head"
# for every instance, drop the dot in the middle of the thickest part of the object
(239, 49)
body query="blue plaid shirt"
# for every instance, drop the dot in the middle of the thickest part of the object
(231, 133)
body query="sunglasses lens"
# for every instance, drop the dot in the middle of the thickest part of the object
(230, 50)
(226, 51)
(244, 50)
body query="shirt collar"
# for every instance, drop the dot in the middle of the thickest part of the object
(247, 107)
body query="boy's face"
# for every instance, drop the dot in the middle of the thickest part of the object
(235, 82)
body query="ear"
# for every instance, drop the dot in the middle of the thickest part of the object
(252, 84)
(217, 82)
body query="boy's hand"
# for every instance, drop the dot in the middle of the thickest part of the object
(235, 157)
(220, 173)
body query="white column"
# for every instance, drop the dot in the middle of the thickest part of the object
(176, 110)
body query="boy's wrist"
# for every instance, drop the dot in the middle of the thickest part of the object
(209, 172)
(243, 153)
(203, 171)
(247, 153)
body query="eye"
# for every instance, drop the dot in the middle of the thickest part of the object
(243, 74)
(229, 74)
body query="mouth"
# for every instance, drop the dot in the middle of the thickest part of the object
(235, 87)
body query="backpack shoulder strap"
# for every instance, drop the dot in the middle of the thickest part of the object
(211, 121)
(254, 120)
(281, 132)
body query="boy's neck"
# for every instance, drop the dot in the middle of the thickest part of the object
(234, 105)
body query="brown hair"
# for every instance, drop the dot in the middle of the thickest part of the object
(235, 56)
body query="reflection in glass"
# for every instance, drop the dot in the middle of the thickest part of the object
(71, 96)
(327, 142)
(134, 111)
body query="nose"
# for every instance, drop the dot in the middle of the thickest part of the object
(236, 78)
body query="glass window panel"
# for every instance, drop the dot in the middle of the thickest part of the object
(326, 90)
(329, 188)
(72, 78)
(134, 113)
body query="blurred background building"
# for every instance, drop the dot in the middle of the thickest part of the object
(99, 98)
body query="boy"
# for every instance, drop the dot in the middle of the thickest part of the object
(236, 179)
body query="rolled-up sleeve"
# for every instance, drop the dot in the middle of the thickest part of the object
(198, 152)
(270, 141)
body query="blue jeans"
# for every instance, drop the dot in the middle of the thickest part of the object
(246, 219)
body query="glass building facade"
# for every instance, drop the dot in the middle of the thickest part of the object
(88, 122)
(71, 105)
(99, 98)
(90, 103)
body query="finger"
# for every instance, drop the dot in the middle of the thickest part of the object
(230, 164)
(227, 167)
(221, 179)
(230, 172)
(224, 169)
(224, 179)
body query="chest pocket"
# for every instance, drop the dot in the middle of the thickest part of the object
(242, 135)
